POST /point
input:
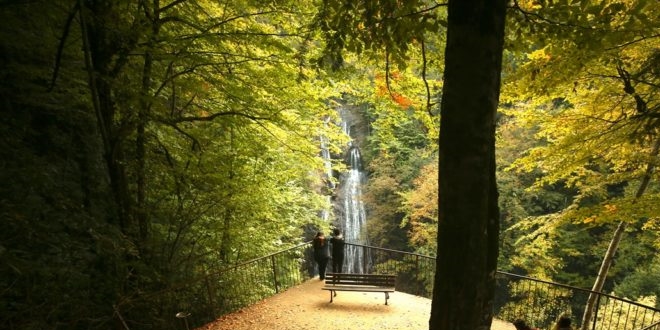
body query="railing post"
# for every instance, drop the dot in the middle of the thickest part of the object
(595, 317)
(419, 289)
(364, 260)
(277, 286)
(210, 293)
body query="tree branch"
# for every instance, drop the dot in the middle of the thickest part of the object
(387, 73)
(426, 83)
(425, 10)
(628, 88)
(170, 5)
(196, 146)
(633, 42)
(60, 47)
(536, 18)
(211, 117)
(204, 30)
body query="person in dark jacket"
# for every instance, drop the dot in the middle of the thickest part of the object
(337, 241)
(563, 323)
(522, 325)
(321, 253)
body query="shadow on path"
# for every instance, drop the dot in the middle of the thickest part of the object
(307, 307)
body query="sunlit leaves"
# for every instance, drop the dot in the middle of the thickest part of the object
(234, 115)
(591, 129)
(580, 80)
(372, 26)
(421, 208)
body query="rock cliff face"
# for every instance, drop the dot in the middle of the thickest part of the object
(357, 126)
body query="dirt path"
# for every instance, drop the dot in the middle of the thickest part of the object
(307, 307)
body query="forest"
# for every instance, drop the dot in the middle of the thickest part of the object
(147, 143)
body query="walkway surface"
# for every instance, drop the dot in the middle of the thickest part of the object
(307, 307)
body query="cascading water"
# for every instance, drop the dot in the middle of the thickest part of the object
(354, 218)
(349, 208)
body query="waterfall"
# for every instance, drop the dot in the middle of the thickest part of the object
(349, 209)
(354, 218)
(351, 216)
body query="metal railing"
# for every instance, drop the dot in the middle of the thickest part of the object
(538, 302)
(200, 301)
(415, 272)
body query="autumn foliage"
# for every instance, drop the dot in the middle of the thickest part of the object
(383, 90)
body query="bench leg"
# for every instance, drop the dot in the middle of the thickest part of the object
(331, 294)
(387, 296)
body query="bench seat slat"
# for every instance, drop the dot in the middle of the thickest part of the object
(353, 282)
(359, 288)
(342, 275)
(359, 283)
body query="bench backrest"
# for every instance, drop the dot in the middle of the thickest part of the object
(384, 280)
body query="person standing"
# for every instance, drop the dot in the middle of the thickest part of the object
(563, 323)
(321, 253)
(337, 242)
(520, 324)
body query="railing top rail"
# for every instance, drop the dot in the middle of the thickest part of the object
(220, 271)
(523, 277)
(243, 263)
(247, 262)
(544, 281)
(579, 289)
(390, 250)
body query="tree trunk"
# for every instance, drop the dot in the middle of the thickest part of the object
(602, 274)
(145, 107)
(140, 152)
(468, 228)
(614, 244)
(98, 59)
(225, 244)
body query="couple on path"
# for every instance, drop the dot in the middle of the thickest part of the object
(563, 323)
(322, 253)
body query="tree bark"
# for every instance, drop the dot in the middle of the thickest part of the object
(468, 228)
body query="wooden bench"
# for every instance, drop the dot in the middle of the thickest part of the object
(359, 282)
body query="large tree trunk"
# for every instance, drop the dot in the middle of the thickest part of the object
(468, 229)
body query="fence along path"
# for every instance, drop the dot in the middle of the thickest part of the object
(220, 293)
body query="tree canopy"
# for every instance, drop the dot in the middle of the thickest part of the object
(146, 143)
